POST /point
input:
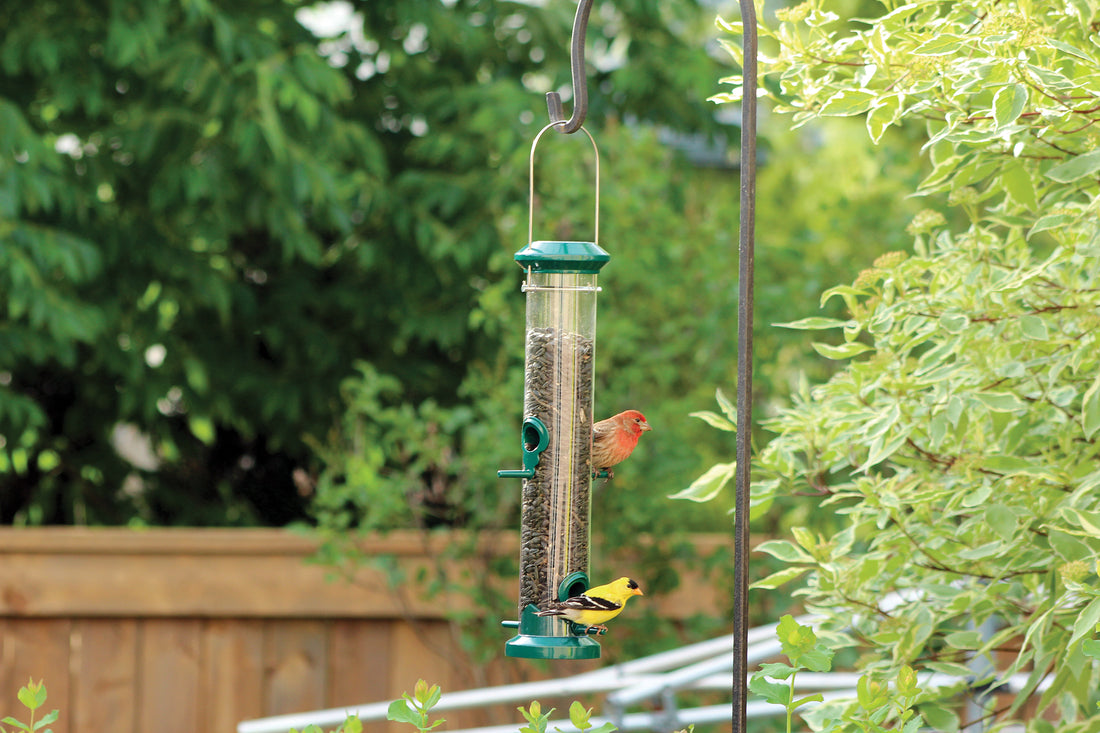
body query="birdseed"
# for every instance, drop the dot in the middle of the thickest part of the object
(554, 535)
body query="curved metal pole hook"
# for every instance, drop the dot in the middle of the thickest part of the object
(580, 82)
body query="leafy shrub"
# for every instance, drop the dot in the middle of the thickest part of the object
(957, 446)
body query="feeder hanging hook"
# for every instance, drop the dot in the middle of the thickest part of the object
(580, 82)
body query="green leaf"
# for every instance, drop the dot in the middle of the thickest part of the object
(1072, 50)
(535, 718)
(707, 486)
(778, 578)
(953, 322)
(793, 636)
(818, 659)
(1067, 547)
(1083, 164)
(400, 712)
(32, 695)
(978, 496)
(773, 692)
(714, 420)
(1050, 221)
(1020, 186)
(202, 427)
(848, 102)
(940, 718)
(942, 45)
(906, 684)
(1001, 401)
(871, 694)
(814, 323)
(1001, 520)
(50, 717)
(1008, 104)
(1086, 519)
(1086, 622)
(951, 668)
(784, 550)
(816, 697)
(579, 715)
(1090, 410)
(735, 27)
(1034, 327)
(882, 115)
(777, 670)
(983, 552)
(434, 693)
(729, 409)
(1007, 464)
(844, 351)
(883, 447)
(1091, 647)
(847, 292)
(800, 644)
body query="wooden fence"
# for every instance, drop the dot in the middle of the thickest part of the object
(189, 631)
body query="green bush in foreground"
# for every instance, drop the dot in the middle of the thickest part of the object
(958, 445)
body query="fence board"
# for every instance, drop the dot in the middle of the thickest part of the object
(295, 664)
(168, 668)
(359, 660)
(37, 650)
(105, 656)
(420, 650)
(233, 672)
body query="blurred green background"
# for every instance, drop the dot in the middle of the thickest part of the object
(258, 255)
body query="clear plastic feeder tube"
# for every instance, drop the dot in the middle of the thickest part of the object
(560, 356)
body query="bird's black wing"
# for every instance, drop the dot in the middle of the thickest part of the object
(585, 602)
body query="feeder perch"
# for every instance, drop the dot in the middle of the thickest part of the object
(561, 290)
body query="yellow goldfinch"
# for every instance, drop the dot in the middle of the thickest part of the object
(597, 605)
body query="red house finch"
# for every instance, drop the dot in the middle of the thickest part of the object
(613, 439)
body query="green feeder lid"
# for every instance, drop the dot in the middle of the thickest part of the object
(562, 257)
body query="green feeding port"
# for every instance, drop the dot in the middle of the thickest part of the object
(535, 440)
(552, 637)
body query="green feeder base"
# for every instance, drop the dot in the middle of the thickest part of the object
(537, 640)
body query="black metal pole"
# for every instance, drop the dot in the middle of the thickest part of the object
(742, 477)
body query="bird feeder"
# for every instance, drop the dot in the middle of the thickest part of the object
(560, 287)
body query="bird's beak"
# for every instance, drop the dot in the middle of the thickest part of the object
(646, 426)
(638, 592)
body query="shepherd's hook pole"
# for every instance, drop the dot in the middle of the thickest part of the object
(742, 477)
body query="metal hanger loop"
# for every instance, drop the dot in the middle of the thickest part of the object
(531, 183)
